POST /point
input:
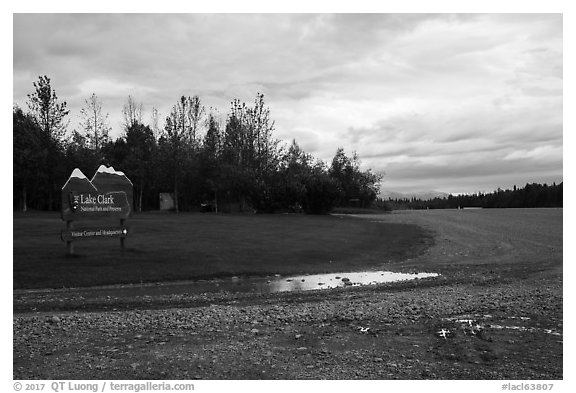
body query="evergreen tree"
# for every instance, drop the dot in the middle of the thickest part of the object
(46, 109)
(30, 157)
(49, 114)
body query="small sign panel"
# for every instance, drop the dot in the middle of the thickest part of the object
(88, 205)
(94, 233)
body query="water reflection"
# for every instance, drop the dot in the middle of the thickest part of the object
(332, 280)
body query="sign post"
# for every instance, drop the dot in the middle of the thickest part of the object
(108, 195)
(122, 238)
(69, 244)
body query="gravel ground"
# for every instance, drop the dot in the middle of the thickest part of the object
(495, 313)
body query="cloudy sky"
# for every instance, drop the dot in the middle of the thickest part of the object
(454, 103)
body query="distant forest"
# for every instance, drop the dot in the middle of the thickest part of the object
(531, 195)
(204, 161)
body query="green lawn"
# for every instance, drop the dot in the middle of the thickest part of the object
(164, 247)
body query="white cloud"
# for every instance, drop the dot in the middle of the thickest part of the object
(111, 87)
(426, 93)
(538, 154)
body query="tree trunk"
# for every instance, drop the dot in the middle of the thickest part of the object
(176, 195)
(140, 199)
(50, 199)
(24, 204)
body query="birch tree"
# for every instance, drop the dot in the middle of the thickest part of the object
(94, 122)
(132, 112)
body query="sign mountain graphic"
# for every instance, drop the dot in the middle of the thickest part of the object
(106, 185)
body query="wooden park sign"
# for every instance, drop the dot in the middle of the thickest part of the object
(108, 195)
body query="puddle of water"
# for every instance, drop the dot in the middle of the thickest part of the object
(334, 280)
(257, 285)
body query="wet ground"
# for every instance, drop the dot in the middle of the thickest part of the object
(259, 285)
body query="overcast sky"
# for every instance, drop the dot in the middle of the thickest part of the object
(454, 103)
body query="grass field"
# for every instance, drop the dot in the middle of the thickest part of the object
(165, 247)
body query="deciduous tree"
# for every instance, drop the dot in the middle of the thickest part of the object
(94, 122)
(132, 112)
(141, 147)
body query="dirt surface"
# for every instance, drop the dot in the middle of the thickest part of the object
(494, 313)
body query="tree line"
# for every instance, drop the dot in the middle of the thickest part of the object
(204, 161)
(531, 195)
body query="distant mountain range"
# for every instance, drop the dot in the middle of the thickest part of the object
(423, 195)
